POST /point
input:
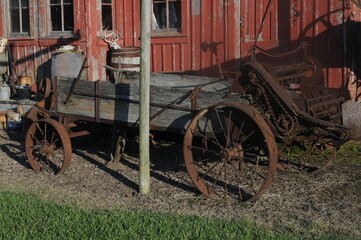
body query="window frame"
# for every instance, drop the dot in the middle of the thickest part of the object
(8, 26)
(51, 32)
(21, 21)
(181, 32)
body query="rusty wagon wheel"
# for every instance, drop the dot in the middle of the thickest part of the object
(230, 151)
(48, 146)
(45, 87)
(310, 155)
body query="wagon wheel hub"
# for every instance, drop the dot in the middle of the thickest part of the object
(47, 148)
(224, 155)
(231, 153)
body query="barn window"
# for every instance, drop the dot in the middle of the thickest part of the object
(62, 15)
(19, 16)
(167, 15)
(107, 15)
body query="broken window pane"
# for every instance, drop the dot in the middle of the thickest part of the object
(167, 14)
(107, 15)
(159, 11)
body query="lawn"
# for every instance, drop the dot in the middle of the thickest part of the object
(23, 216)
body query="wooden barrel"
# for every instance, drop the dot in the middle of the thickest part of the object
(125, 59)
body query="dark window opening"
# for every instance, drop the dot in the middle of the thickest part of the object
(19, 16)
(107, 15)
(62, 15)
(167, 15)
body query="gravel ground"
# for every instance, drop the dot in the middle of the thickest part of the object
(329, 202)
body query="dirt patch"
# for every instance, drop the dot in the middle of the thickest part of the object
(329, 202)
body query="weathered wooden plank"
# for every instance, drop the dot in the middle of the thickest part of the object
(167, 80)
(164, 90)
(159, 94)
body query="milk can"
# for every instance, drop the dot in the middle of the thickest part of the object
(4, 93)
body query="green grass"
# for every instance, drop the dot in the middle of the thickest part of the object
(350, 153)
(23, 216)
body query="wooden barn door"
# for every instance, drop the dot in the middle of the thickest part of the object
(259, 25)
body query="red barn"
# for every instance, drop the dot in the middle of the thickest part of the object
(188, 35)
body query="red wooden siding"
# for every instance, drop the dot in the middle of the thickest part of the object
(253, 14)
(207, 23)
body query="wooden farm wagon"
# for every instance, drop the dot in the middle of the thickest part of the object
(236, 132)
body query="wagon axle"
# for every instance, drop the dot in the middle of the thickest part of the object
(47, 148)
(231, 153)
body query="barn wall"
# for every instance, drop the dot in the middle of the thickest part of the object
(208, 24)
(259, 25)
(214, 28)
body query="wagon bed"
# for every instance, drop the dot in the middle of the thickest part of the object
(173, 99)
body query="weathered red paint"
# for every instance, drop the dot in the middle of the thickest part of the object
(232, 26)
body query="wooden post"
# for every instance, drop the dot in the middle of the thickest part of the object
(144, 97)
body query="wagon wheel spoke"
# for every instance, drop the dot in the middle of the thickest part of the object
(52, 138)
(207, 127)
(225, 179)
(39, 129)
(248, 149)
(220, 123)
(208, 171)
(57, 160)
(45, 132)
(48, 163)
(237, 173)
(36, 140)
(36, 147)
(202, 149)
(240, 131)
(254, 170)
(194, 133)
(217, 175)
(228, 129)
(246, 137)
